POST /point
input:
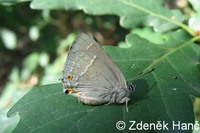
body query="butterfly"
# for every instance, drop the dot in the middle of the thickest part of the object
(90, 75)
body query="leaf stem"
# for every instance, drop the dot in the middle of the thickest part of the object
(197, 38)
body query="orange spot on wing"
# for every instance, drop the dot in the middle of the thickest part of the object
(69, 77)
(69, 90)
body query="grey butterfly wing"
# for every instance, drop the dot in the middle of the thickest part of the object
(95, 76)
(86, 43)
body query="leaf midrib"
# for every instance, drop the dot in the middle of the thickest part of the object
(171, 51)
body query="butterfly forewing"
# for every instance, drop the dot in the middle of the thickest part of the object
(86, 43)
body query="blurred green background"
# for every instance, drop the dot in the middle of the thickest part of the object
(34, 46)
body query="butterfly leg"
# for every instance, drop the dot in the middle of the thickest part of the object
(112, 100)
(127, 99)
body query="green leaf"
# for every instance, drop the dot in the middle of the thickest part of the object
(163, 25)
(162, 95)
(150, 35)
(7, 124)
(132, 12)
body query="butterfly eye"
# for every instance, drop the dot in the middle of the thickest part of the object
(131, 87)
(69, 77)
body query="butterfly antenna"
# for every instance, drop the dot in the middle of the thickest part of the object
(142, 73)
